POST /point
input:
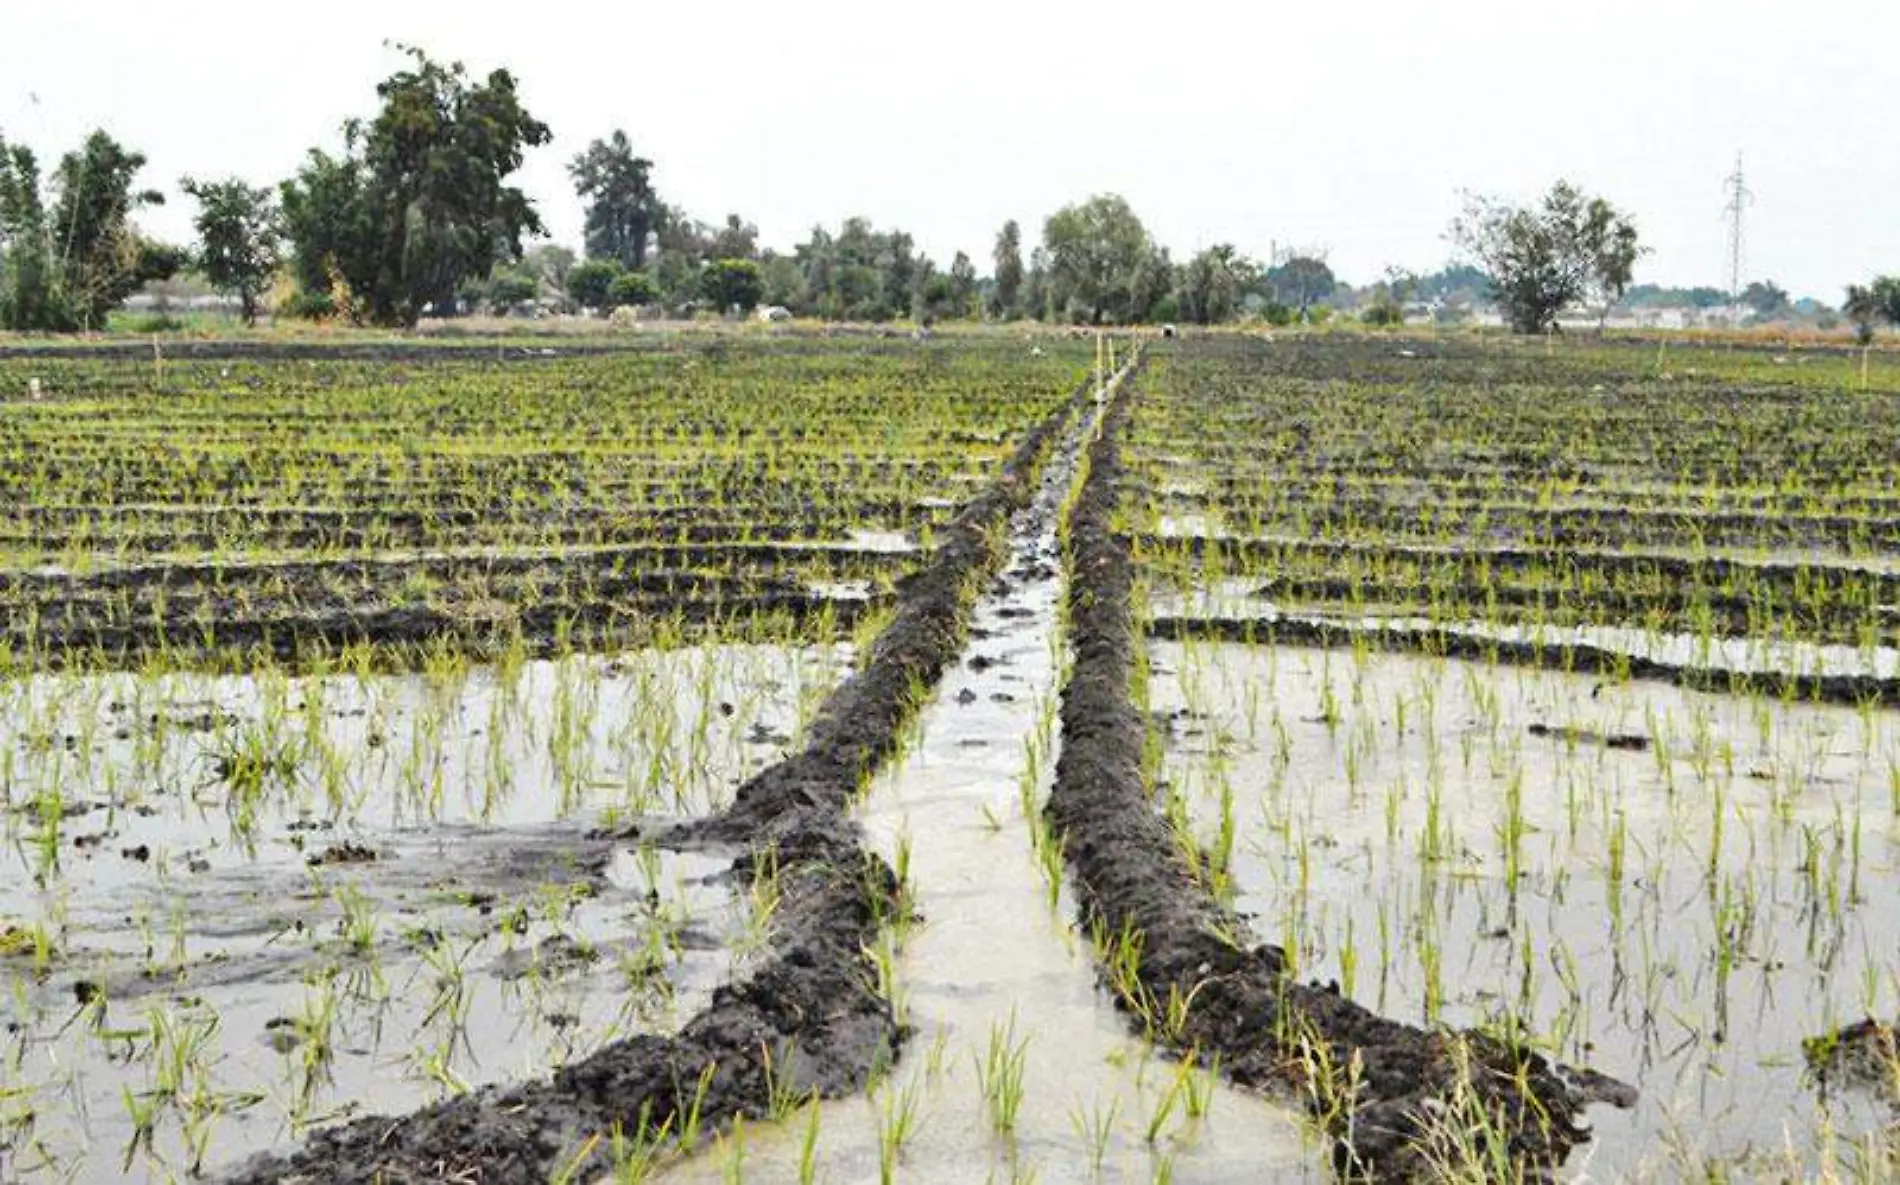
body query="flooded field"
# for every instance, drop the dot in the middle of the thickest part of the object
(782, 759)
(237, 908)
(1680, 889)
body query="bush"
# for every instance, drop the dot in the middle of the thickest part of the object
(732, 284)
(1278, 314)
(310, 306)
(508, 289)
(156, 323)
(630, 289)
(588, 283)
(1383, 314)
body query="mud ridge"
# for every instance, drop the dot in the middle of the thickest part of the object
(1385, 1091)
(1571, 657)
(810, 1018)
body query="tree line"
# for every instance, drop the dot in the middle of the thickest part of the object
(416, 216)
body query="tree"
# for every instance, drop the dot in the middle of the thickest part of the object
(1389, 297)
(105, 258)
(1212, 284)
(32, 285)
(784, 284)
(732, 283)
(509, 287)
(589, 283)
(1008, 260)
(1542, 259)
(1610, 247)
(1300, 283)
(332, 234)
(420, 203)
(239, 231)
(72, 261)
(1101, 260)
(623, 211)
(1766, 298)
(962, 287)
(737, 239)
(551, 264)
(1867, 305)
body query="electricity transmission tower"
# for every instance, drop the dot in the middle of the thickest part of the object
(1740, 197)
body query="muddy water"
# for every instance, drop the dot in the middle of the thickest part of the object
(1698, 882)
(403, 902)
(996, 962)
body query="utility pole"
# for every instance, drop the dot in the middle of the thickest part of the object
(1739, 199)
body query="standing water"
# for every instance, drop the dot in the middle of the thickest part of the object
(1019, 1067)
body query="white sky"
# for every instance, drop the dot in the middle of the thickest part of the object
(1350, 125)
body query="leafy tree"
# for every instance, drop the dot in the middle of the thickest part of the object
(1300, 283)
(1008, 261)
(1213, 283)
(784, 283)
(71, 262)
(1657, 297)
(859, 274)
(732, 283)
(1766, 298)
(1455, 282)
(333, 237)
(962, 299)
(623, 210)
(239, 232)
(32, 284)
(737, 239)
(1542, 259)
(551, 264)
(635, 289)
(509, 287)
(903, 275)
(1037, 298)
(589, 283)
(1869, 304)
(420, 202)
(1611, 249)
(683, 245)
(1386, 307)
(1101, 261)
(106, 259)
(933, 295)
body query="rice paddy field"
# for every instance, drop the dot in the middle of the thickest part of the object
(796, 758)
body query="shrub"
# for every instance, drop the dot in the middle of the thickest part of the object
(631, 288)
(588, 284)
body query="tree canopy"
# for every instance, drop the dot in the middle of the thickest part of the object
(66, 264)
(420, 202)
(1007, 260)
(239, 231)
(1301, 282)
(1867, 305)
(1541, 259)
(1103, 266)
(623, 210)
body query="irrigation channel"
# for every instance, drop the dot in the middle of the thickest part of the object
(930, 1003)
(1018, 1066)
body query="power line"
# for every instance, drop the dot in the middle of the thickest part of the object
(1740, 197)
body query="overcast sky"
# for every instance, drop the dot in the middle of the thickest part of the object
(1350, 126)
